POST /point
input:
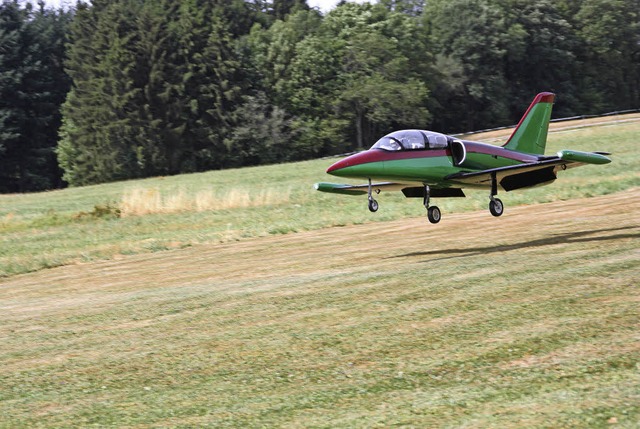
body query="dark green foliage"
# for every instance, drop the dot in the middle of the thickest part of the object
(350, 76)
(162, 87)
(101, 124)
(262, 134)
(610, 34)
(469, 41)
(381, 86)
(540, 55)
(494, 55)
(156, 96)
(282, 8)
(32, 87)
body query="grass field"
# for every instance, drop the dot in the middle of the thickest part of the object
(529, 320)
(79, 225)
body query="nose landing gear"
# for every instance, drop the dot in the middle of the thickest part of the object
(373, 204)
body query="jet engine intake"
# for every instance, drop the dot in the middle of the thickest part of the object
(458, 153)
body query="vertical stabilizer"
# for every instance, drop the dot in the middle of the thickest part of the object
(530, 136)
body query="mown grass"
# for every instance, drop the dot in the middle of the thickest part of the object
(84, 224)
(526, 321)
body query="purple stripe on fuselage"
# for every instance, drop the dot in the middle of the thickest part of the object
(475, 147)
(379, 155)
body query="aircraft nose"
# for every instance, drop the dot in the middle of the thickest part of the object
(343, 163)
(363, 164)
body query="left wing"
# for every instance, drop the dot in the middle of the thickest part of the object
(410, 190)
(530, 174)
(359, 189)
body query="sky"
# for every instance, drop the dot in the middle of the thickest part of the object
(323, 5)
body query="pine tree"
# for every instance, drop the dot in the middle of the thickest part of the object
(158, 93)
(32, 87)
(100, 133)
(12, 22)
(215, 85)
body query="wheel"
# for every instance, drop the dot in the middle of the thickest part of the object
(373, 205)
(496, 207)
(433, 214)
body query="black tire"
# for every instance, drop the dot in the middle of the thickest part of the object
(433, 214)
(496, 207)
(373, 205)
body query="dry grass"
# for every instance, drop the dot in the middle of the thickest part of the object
(143, 201)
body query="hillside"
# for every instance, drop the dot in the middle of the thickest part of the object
(242, 298)
(529, 320)
(115, 220)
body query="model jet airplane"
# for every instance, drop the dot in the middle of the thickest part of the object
(426, 164)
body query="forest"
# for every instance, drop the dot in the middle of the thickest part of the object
(121, 89)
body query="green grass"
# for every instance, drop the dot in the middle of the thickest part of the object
(63, 227)
(530, 323)
(222, 318)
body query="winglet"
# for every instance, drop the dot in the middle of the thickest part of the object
(530, 135)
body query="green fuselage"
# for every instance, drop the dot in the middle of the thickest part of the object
(427, 166)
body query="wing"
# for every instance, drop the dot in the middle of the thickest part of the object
(359, 189)
(410, 190)
(530, 174)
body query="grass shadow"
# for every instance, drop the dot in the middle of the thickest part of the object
(572, 237)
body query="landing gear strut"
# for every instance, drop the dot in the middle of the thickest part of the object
(373, 204)
(433, 212)
(495, 204)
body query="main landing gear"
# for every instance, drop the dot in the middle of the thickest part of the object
(433, 212)
(496, 207)
(495, 204)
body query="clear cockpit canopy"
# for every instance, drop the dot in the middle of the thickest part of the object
(411, 140)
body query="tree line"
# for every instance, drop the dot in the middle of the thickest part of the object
(121, 89)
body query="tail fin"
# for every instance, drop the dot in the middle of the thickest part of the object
(530, 135)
